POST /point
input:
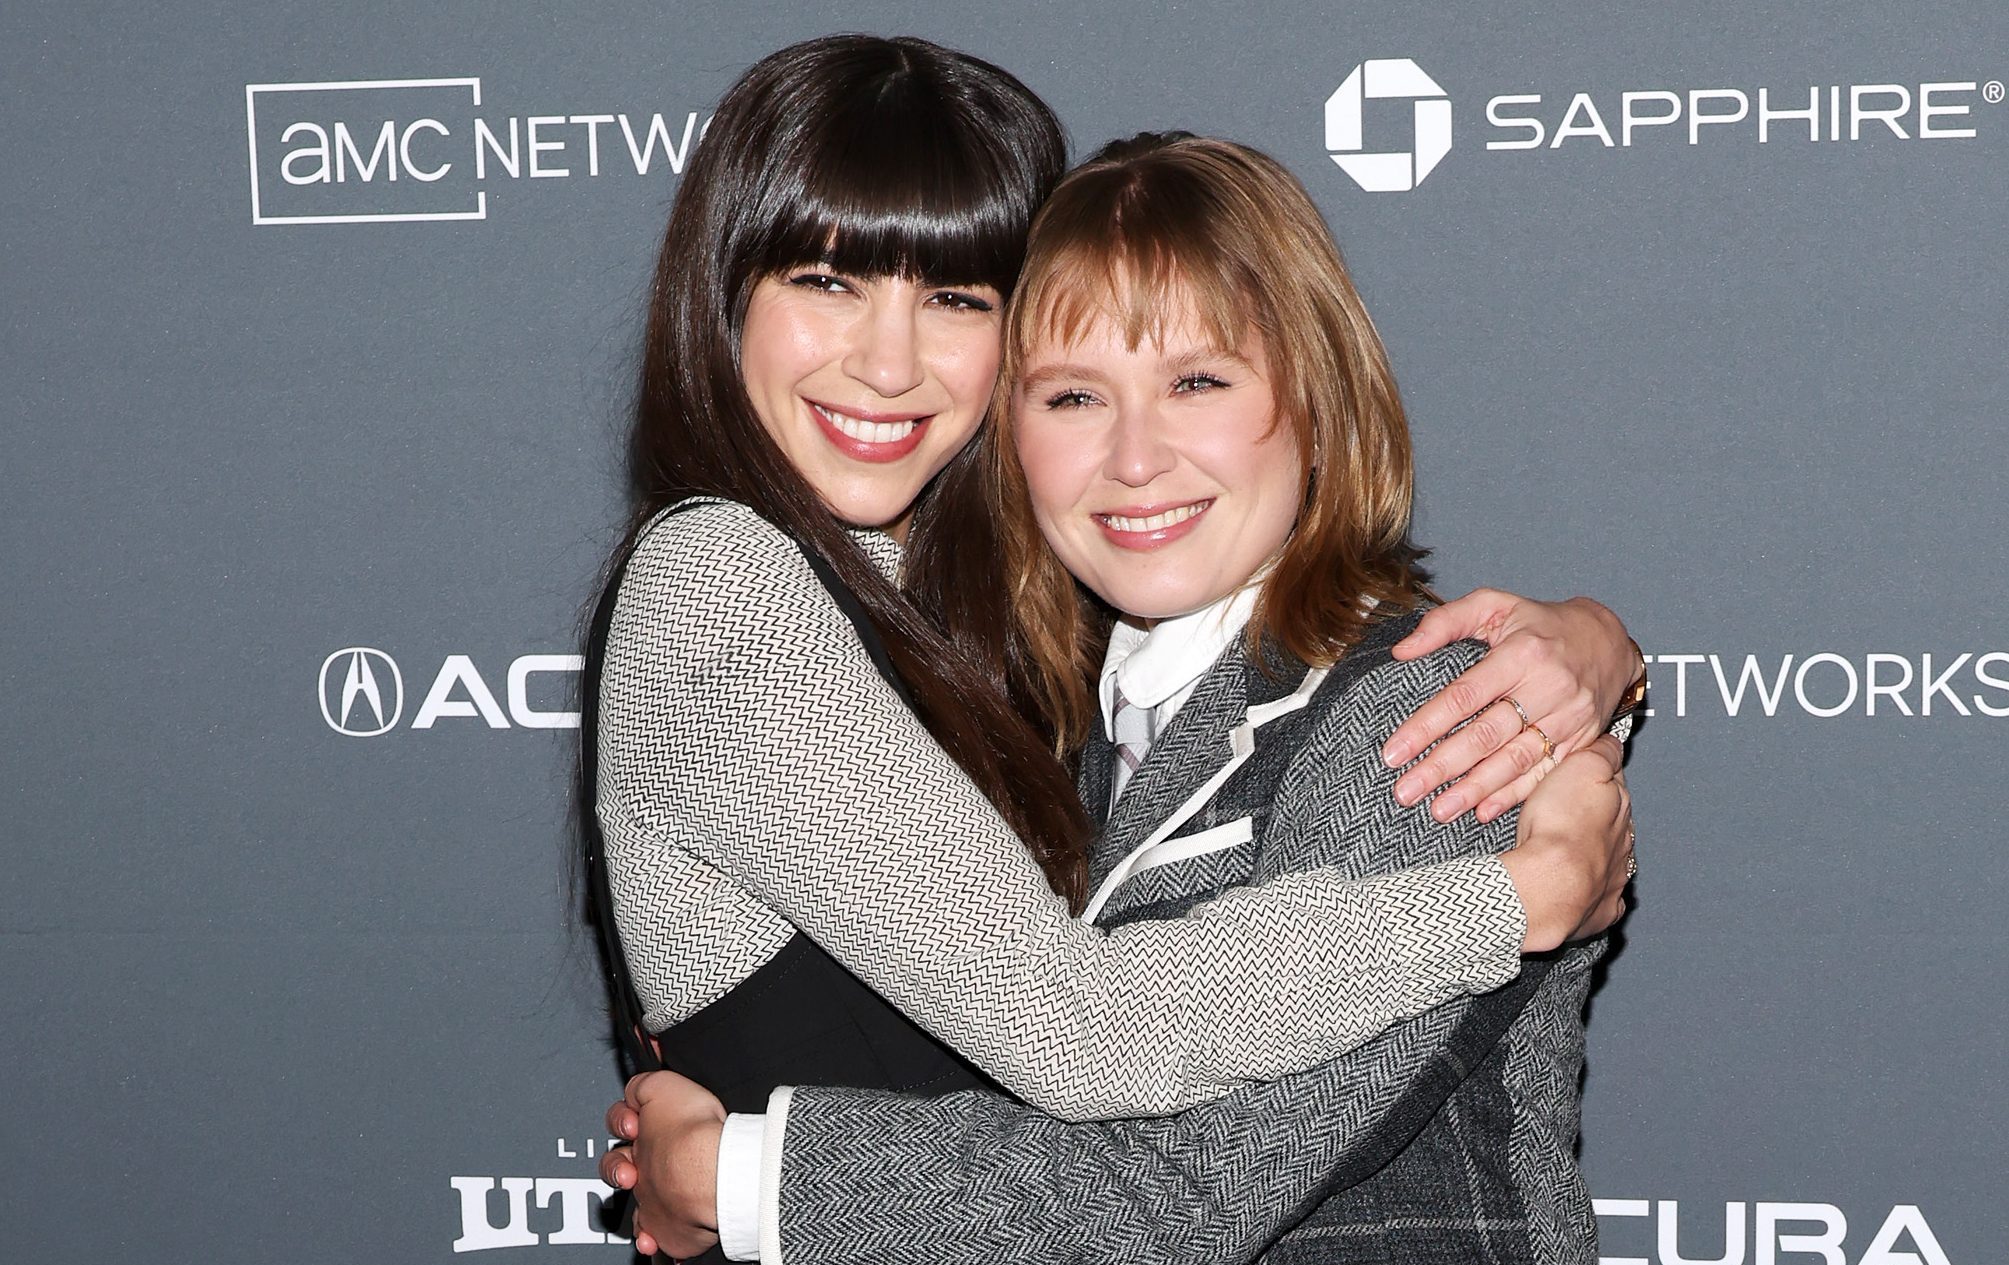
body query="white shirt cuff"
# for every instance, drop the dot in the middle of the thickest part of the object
(770, 1175)
(739, 1167)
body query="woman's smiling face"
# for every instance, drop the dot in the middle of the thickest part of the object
(869, 385)
(1159, 473)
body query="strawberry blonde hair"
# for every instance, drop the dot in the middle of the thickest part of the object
(1147, 231)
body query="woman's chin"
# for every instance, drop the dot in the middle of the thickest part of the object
(1148, 603)
(870, 506)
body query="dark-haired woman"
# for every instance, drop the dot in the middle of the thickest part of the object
(810, 773)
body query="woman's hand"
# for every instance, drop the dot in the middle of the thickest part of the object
(1568, 664)
(1572, 855)
(674, 1124)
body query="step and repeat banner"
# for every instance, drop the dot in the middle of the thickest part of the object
(320, 321)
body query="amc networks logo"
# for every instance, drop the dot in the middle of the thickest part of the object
(357, 151)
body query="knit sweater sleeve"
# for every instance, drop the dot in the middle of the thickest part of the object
(748, 744)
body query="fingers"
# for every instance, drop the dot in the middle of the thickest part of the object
(1448, 708)
(617, 1168)
(645, 1243)
(1526, 666)
(1514, 793)
(1520, 756)
(1472, 615)
(1608, 749)
(1599, 762)
(1493, 727)
(1583, 773)
(1605, 752)
(638, 1091)
(1612, 906)
(623, 1121)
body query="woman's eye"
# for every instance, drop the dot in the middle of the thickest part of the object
(1069, 399)
(817, 281)
(961, 301)
(1193, 382)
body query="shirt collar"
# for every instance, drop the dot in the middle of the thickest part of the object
(1150, 667)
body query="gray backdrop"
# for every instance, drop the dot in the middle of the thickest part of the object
(274, 992)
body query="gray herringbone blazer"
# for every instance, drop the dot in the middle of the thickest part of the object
(1447, 1139)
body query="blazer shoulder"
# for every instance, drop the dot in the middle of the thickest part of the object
(1367, 676)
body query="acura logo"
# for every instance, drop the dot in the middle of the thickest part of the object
(355, 699)
(1387, 171)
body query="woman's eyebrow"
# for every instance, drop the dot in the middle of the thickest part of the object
(1037, 377)
(1203, 356)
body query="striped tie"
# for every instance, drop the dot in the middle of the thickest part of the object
(1132, 725)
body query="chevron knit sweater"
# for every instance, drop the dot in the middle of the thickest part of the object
(758, 776)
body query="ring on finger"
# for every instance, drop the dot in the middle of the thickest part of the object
(1548, 747)
(1519, 710)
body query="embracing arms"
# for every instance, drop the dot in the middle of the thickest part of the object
(747, 740)
(975, 1177)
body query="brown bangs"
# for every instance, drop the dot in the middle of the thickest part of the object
(1112, 247)
(1136, 290)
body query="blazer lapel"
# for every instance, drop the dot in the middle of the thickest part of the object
(1214, 734)
(1091, 777)
(1191, 751)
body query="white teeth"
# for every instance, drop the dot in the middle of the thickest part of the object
(1157, 522)
(867, 432)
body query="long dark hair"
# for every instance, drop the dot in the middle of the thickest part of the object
(874, 157)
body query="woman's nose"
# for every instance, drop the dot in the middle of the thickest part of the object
(885, 352)
(1138, 452)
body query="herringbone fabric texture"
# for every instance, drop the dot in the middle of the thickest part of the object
(1444, 1141)
(757, 774)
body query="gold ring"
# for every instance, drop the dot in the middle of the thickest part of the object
(1519, 710)
(1548, 748)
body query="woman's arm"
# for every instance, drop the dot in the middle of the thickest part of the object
(742, 722)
